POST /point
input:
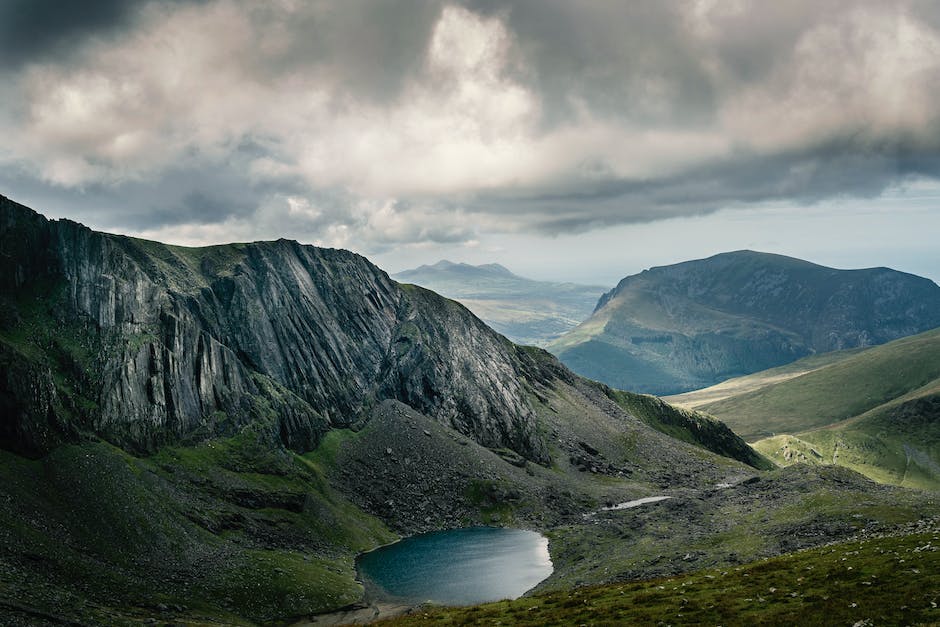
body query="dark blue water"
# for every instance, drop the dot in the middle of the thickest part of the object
(458, 567)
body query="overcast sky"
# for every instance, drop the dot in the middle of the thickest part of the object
(574, 140)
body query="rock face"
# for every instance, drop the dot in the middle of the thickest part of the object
(142, 343)
(675, 328)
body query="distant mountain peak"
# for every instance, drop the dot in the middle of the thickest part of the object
(524, 310)
(443, 264)
(447, 266)
(498, 268)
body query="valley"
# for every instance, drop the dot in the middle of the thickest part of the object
(463, 312)
(525, 311)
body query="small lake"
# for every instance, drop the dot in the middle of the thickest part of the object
(458, 567)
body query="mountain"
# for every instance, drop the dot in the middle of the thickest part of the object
(193, 414)
(690, 325)
(876, 411)
(525, 311)
(211, 435)
(161, 343)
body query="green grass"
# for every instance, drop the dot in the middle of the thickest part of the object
(785, 510)
(227, 529)
(689, 426)
(697, 399)
(897, 443)
(325, 454)
(887, 580)
(847, 388)
(42, 345)
(876, 411)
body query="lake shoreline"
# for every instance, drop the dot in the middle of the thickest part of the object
(381, 600)
(360, 613)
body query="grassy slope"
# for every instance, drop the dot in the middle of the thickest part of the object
(875, 410)
(689, 426)
(226, 530)
(847, 388)
(698, 399)
(787, 510)
(897, 443)
(887, 580)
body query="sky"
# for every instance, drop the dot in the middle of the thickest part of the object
(578, 141)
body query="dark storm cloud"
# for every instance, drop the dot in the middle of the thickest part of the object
(197, 192)
(607, 54)
(368, 46)
(358, 117)
(845, 166)
(37, 30)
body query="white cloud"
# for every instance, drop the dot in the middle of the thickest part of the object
(870, 71)
(466, 122)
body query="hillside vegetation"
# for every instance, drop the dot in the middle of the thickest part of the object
(211, 435)
(737, 386)
(876, 411)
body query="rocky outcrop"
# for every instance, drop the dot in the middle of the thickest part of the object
(160, 343)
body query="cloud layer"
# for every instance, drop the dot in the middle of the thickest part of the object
(375, 125)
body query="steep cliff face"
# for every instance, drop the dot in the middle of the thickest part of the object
(690, 325)
(153, 343)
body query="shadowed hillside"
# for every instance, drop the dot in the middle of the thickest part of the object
(675, 328)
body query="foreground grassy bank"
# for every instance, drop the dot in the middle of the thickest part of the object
(225, 532)
(875, 580)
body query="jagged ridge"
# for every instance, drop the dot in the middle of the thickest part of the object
(172, 343)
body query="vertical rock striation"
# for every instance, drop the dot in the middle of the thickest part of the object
(155, 343)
